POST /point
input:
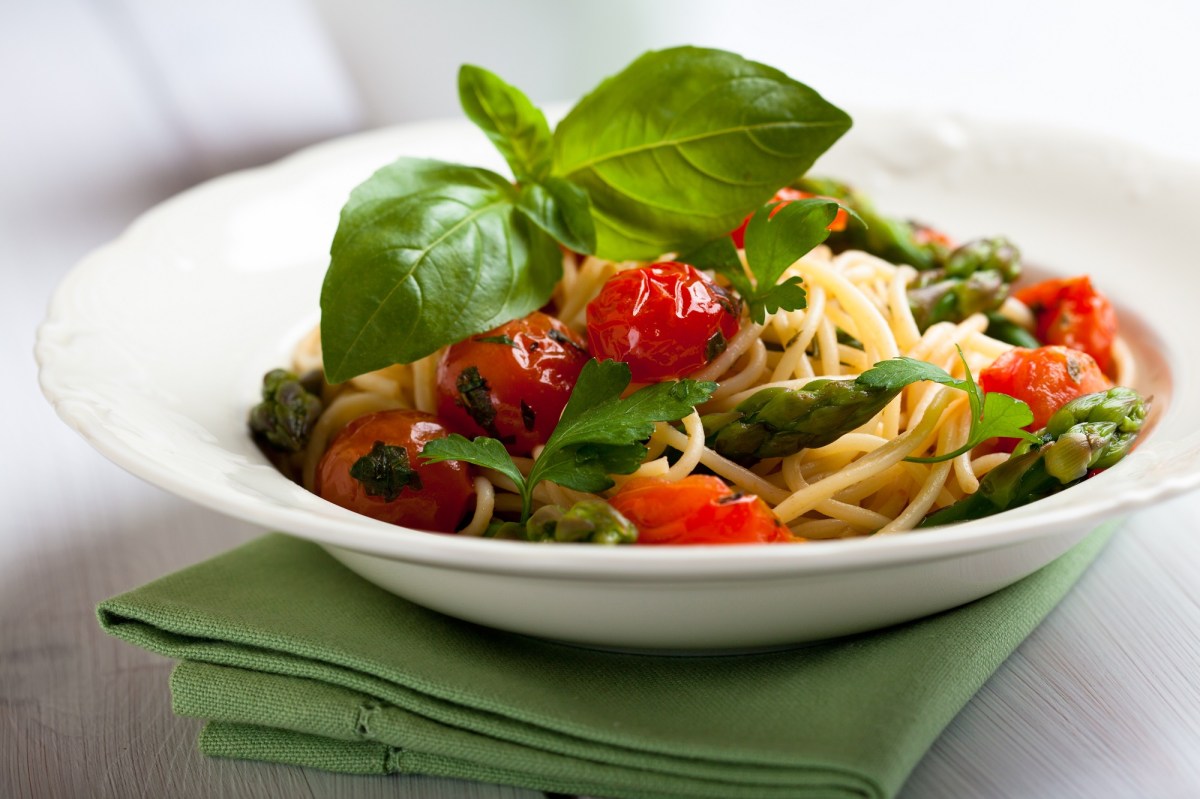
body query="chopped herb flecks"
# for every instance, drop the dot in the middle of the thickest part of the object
(475, 397)
(385, 471)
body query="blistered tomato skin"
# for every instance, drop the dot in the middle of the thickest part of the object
(1070, 312)
(1044, 378)
(437, 496)
(511, 383)
(699, 509)
(665, 320)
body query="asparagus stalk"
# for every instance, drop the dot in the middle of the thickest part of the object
(1091, 432)
(289, 409)
(974, 278)
(589, 521)
(955, 283)
(777, 422)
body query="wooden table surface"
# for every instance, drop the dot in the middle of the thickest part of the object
(1103, 700)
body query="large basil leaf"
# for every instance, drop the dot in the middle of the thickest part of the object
(426, 254)
(560, 208)
(684, 143)
(514, 124)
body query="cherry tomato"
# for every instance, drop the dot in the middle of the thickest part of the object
(1072, 313)
(783, 197)
(393, 485)
(511, 383)
(1044, 378)
(699, 509)
(665, 320)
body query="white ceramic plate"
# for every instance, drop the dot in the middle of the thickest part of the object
(155, 344)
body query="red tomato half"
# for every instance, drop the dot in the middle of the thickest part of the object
(696, 510)
(1044, 379)
(783, 197)
(1072, 313)
(428, 496)
(511, 383)
(665, 320)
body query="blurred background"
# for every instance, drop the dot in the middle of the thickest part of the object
(112, 105)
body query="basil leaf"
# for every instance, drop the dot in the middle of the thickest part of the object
(681, 145)
(514, 124)
(561, 209)
(426, 254)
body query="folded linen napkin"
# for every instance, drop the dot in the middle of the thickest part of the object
(293, 658)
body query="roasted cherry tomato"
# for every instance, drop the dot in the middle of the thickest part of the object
(1044, 378)
(699, 509)
(665, 320)
(1072, 313)
(373, 467)
(511, 383)
(783, 197)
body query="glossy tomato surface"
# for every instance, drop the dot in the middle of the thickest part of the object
(665, 320)
(1069, 311)
(1044, 378)
(511, 383)
(783, 197)
(435, 496)
(699, 509)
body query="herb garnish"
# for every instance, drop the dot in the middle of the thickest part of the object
(776, 237)
(993, 415)
(777, 422)
(598, 434)
(671, 152)
(385, 472)
(475, 397)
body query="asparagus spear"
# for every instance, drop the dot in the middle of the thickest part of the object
(777, 422)
(955, 283)
(974, 278)
(587, 521)
(289, 409)
(1091, 432)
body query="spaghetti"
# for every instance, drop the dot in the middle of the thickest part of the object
(857, 314)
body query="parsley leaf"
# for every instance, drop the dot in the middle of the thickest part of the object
(483, 451)
(600, 433)
(993, 415)
(777, 235)
(897, 373)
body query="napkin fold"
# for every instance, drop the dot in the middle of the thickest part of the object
(290, 657)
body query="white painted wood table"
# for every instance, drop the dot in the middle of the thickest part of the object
(1103, 700)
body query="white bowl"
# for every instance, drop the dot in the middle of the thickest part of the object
(154, 347)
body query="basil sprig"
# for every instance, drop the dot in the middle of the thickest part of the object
(670, 153)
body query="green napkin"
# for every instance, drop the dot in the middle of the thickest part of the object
(293, 658)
